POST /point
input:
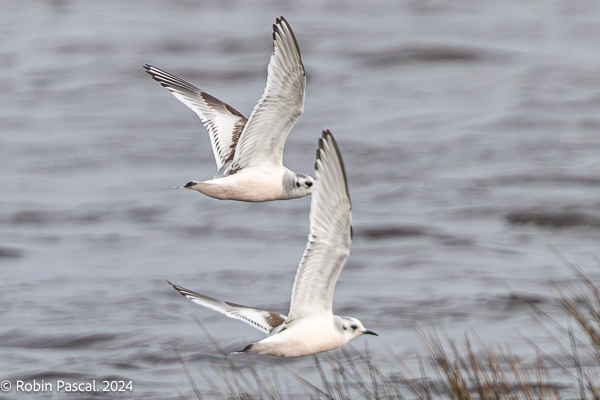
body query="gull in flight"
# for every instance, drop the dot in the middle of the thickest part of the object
(310, 327)
(249, 151)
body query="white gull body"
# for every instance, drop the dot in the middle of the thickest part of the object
(310, 326)
(249, 151)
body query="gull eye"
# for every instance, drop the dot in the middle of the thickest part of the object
(344, 327)
(353, 327)
(297, 184)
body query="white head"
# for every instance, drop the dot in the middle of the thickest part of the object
(304, 181)
(298, 185)
(353, 328)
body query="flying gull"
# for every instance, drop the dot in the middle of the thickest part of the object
(249, 151)
(310, 327)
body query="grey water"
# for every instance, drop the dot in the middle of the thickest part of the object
(469, 129)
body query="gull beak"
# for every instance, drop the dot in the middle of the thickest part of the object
(368, 332)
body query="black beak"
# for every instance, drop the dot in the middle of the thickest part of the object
(367, 332)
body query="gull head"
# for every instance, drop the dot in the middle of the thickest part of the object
(353, 328)
(303, 184)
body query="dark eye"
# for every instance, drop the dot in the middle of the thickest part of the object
(353, 327)
(297, 184)
(308, 183)
(344, 327)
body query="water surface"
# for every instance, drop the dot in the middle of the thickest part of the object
(470, 136)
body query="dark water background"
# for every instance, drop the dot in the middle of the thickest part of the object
(470, 131)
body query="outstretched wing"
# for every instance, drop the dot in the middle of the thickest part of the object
(263, 320)
(329, 237)
(280, 106)
(224, 123)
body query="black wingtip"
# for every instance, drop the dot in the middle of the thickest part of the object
(327, 136)
(178, 288)
(148, 68)
(324, 135)
(174, 286)
(276, 26)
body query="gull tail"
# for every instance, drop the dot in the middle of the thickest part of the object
(245, 349)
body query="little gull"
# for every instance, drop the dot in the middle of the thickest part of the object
(310, 327)
(249, 151)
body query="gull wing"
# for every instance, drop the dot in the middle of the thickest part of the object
(223, 122)
(263, 320)
(280, 106)
(329, 237)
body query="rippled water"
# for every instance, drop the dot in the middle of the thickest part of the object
(469, 131)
